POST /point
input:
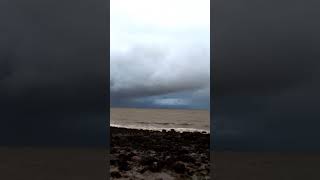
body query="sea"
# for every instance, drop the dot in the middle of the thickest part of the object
(161, 119)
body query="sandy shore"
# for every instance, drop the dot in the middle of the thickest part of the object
(145, 154)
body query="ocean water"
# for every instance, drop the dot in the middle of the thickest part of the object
(159, 119)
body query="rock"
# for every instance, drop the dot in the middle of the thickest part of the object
(116, 138)
(113, 162)
(190, 172)
(187, 159)
(156, 167)
(193, 155)
(124, 166)
(136, 158)
(204, 159)
(136, 153)
(152, 152)
(183, 151)
(148, 160)
(115, 174)
(169, 161)
(179, 167)
(123, 157)
(131, 154)
(143, 170)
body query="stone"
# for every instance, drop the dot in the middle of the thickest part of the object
(179, 167)
(124, 166)
(115, 174)
(155, 167)
(136, 158)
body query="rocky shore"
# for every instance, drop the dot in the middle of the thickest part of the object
(146, 154)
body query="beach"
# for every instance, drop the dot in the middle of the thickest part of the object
(149, 154)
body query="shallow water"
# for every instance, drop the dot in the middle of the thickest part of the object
(157, 119)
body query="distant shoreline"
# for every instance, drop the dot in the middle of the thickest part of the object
(162, 108)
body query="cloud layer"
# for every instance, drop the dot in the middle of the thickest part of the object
(155, 53)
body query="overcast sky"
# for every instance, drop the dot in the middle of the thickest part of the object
(160, 53)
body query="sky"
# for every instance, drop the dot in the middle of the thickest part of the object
(160, 53)
(266, 75)
(53, 72)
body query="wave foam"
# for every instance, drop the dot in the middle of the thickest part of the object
(159, 129)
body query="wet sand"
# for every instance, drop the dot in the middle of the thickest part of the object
(146, 154)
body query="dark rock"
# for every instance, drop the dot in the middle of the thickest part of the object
(136, 158)
(114, 150)
(187, 159)
(143, 170)
(148, 160)
(183, 151)
(141, 150)
(115, 174)
(124, 166)
(123, 157)
(190, 172)
(204, 159)
(113, 161)
(169, 161)
(116, 138)
(154, 167)
(131, 154)
(179, 167)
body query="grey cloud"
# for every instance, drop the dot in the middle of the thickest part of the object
(156, 55)
(144, 72)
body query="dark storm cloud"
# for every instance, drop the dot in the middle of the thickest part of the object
(144, 72)
(53, 65)
(266, 74)
(183, 100)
